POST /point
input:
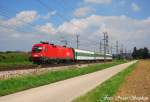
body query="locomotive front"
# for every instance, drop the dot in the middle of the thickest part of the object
(37, 52)
(50, 53)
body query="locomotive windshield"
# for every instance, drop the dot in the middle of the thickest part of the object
(37, 49)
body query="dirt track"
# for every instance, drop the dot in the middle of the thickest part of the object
(67, 90)
(137, 84)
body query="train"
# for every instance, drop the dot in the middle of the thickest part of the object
(45, 52)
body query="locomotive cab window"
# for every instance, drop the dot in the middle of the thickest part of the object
(37, 49)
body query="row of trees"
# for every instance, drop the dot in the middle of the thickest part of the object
(142, 53)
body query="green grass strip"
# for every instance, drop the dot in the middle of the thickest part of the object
(107, 89)
(16, 84)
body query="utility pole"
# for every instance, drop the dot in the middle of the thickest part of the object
(77, 41)
(117, 50)
(121, 51)
(111, 48)
(107, 46)
(125, 51)
(100, 47)
(105, 41)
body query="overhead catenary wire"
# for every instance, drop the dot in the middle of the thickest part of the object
(60, 15)
(65, 41)
(77, 35)
(4, 13)
(16, 27)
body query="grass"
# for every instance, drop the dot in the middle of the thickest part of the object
(107, 89)
(14, 57)
(12, 60)
(16, 84)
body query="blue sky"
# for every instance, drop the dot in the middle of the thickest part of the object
(66, 7)
(25, 22)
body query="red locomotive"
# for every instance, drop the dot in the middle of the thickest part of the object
(45, 52)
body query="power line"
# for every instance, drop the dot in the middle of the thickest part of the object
(64, 41)
(5, 15)
(3, 12)
(63, 5)
(61, 16)
(15, 27)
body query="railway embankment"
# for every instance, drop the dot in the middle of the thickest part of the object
(23, 82)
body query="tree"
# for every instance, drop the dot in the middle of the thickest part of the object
(146, 53)
(142, 53)
(134, 54)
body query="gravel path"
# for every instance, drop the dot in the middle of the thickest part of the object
(67, 90)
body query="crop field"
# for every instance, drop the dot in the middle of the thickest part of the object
(137, 83)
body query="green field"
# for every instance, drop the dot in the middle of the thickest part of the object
(103, 92)
(14, 59)
(16, 84)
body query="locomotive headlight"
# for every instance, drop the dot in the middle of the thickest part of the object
(36, 55)
(68, 54)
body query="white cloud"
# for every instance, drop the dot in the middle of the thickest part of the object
(132, 32)
(11, 27)
(48, 15)
(47, 28)
(98, 1)
(14, 32)
(74, 26)
(20, 19)
(135, 7)
(83, 11)
(119, 28)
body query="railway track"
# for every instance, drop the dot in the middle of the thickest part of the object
(43, 68)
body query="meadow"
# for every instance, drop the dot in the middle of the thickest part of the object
(10, 60)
